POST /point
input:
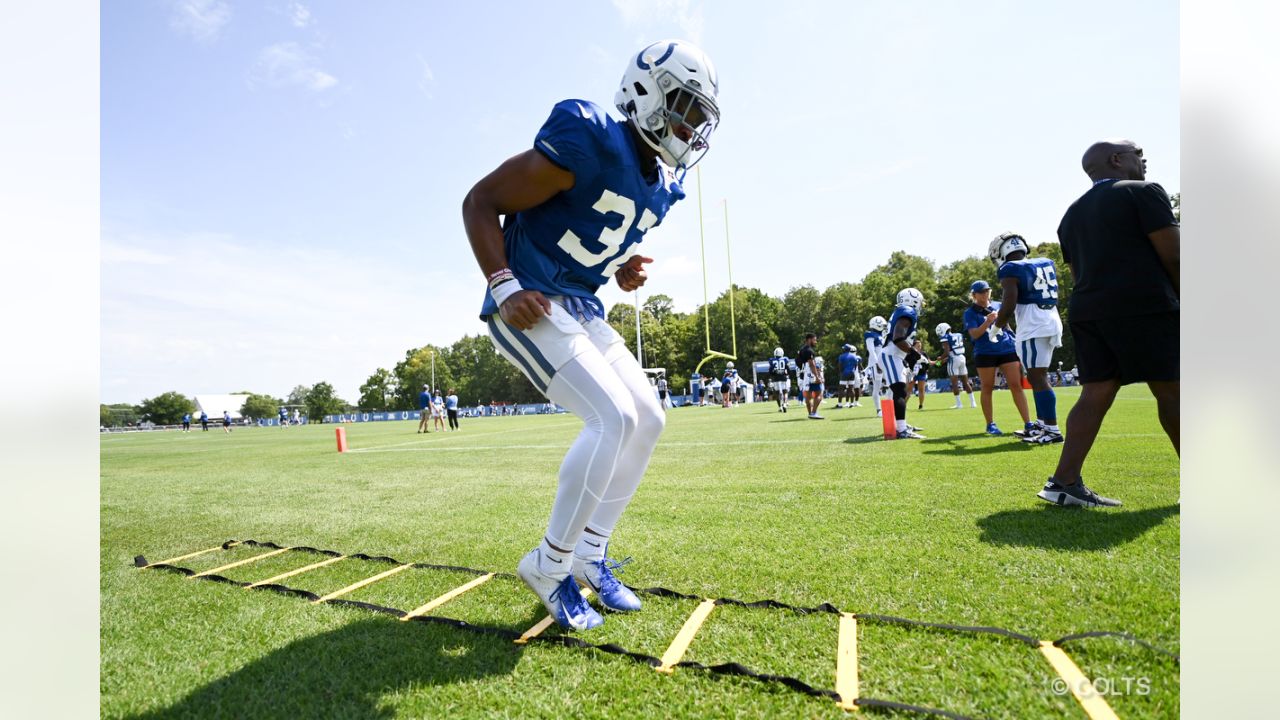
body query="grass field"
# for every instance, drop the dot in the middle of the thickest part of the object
(743, 503)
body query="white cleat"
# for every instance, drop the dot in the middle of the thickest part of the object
(560, 595)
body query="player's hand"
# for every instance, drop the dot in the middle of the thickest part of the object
(991, 317)
(524, 309)
(632, 275)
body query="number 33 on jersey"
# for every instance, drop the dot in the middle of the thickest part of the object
(574, 242)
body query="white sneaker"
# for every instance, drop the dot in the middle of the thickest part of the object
(560, 595)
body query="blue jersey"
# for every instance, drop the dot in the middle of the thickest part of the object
(876, 338)
(984, 345)
(953, 344)
(849, 364)
(424, 400)
(1037, 281)
(899, 312)
(575, 241)
(778, 367)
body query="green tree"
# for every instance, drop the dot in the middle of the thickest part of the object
(415, 371)
(117, 414)
(321, 401)
(660, 306)
(375, 391)
(298, 396)
(1176, 201)
(166, 408)
(259, 406)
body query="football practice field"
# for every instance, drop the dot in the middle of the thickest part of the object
(741, 503)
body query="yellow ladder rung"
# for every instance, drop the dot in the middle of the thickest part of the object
(847, 662)
(681, 643)
(362, 583)
(299, 571)
(255, 558)
(543, 624)
(188, 555)
(1092, 702)
(447, 597)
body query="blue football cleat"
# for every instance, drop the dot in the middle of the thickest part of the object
(561, 597)
(599, 577)
(993, 430)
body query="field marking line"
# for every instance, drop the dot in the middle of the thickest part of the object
(299, 571)
(544, 623)
(188, 555)
(362, 583)
(419, 441)
(847, 663)
(685, 636)
(255, 558)
(447, 597)
(1089, 698)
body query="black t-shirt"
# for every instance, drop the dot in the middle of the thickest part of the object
(803, 357)
(1104, 239)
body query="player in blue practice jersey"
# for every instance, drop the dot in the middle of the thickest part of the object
(573, 211)
(1030, 297)
(850, 380)
(780, 377)
(874, 339)
(953, 356)
(899, 357)
(919, 373)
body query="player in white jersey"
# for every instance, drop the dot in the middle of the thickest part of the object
(1030, 299)
(874, 339)
(957, 368)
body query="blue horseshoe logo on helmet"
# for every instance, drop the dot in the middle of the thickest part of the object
(671, 47)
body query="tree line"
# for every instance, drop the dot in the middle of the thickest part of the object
(672, 340)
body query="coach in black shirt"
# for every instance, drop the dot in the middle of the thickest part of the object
(1121, 241)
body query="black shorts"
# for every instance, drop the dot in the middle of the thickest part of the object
(1141, 348)
(985, 361)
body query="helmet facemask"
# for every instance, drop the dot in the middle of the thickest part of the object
(686, 111)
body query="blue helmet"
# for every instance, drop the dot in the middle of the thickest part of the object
(979, 286)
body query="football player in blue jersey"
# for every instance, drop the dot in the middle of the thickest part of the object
(850, 380)
(898, 355)
(957, 369)
(1030, 297)
(548, 227)
(780, 377)
(874, 339)
(919, 373)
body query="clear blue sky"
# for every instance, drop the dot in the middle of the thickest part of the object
(281, 181)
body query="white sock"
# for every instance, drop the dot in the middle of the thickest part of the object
(902, 425)
(1052, 428)
(554, 563)
(972, 402)
(591, 547)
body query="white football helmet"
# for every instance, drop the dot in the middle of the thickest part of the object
(818, 361)
(912, 298)
(777, 352)
(729, 365)
(942, 330)
(670, 89)
(1005, 245)
(879, 324)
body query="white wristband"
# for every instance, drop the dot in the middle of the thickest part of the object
(505, 290)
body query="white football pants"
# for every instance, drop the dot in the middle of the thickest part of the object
(586, 369)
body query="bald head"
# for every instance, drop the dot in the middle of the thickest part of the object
(1119, 159)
